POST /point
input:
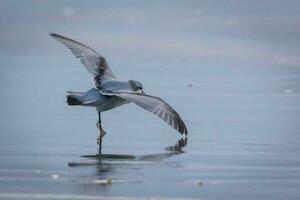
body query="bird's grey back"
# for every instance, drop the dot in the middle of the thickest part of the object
(117, 86)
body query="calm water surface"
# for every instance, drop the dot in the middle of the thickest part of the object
(243, 141)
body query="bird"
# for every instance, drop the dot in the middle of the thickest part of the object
(110, 92)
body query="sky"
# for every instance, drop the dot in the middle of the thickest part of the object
(255, 33)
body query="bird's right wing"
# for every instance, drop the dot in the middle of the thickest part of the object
(155, 105)
(92, 60)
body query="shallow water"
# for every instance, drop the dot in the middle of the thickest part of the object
(243, 140)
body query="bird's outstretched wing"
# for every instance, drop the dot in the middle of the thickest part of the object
(93, 61)
(156, 106)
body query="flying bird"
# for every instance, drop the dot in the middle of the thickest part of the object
(109, 92)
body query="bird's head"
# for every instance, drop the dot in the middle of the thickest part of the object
(137, 86)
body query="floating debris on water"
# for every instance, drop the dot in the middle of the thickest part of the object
(200, 183)
(288, 91)
(55, 176)
(103, 181)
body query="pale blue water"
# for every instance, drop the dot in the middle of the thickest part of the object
(243, 140)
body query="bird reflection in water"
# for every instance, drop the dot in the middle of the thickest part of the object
(121, 168)
(175, 149)
(171, 151)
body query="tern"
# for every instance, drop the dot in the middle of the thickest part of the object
(109, 92)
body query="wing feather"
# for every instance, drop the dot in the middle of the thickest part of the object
(156, 106)
(92, 60)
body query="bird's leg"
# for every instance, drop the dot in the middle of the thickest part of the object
(101, 133)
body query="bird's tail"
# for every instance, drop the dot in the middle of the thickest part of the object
(74, 98)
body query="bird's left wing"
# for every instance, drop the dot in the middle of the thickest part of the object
(92, 60)
(155, 105)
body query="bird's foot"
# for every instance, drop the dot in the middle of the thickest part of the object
(101, 135)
